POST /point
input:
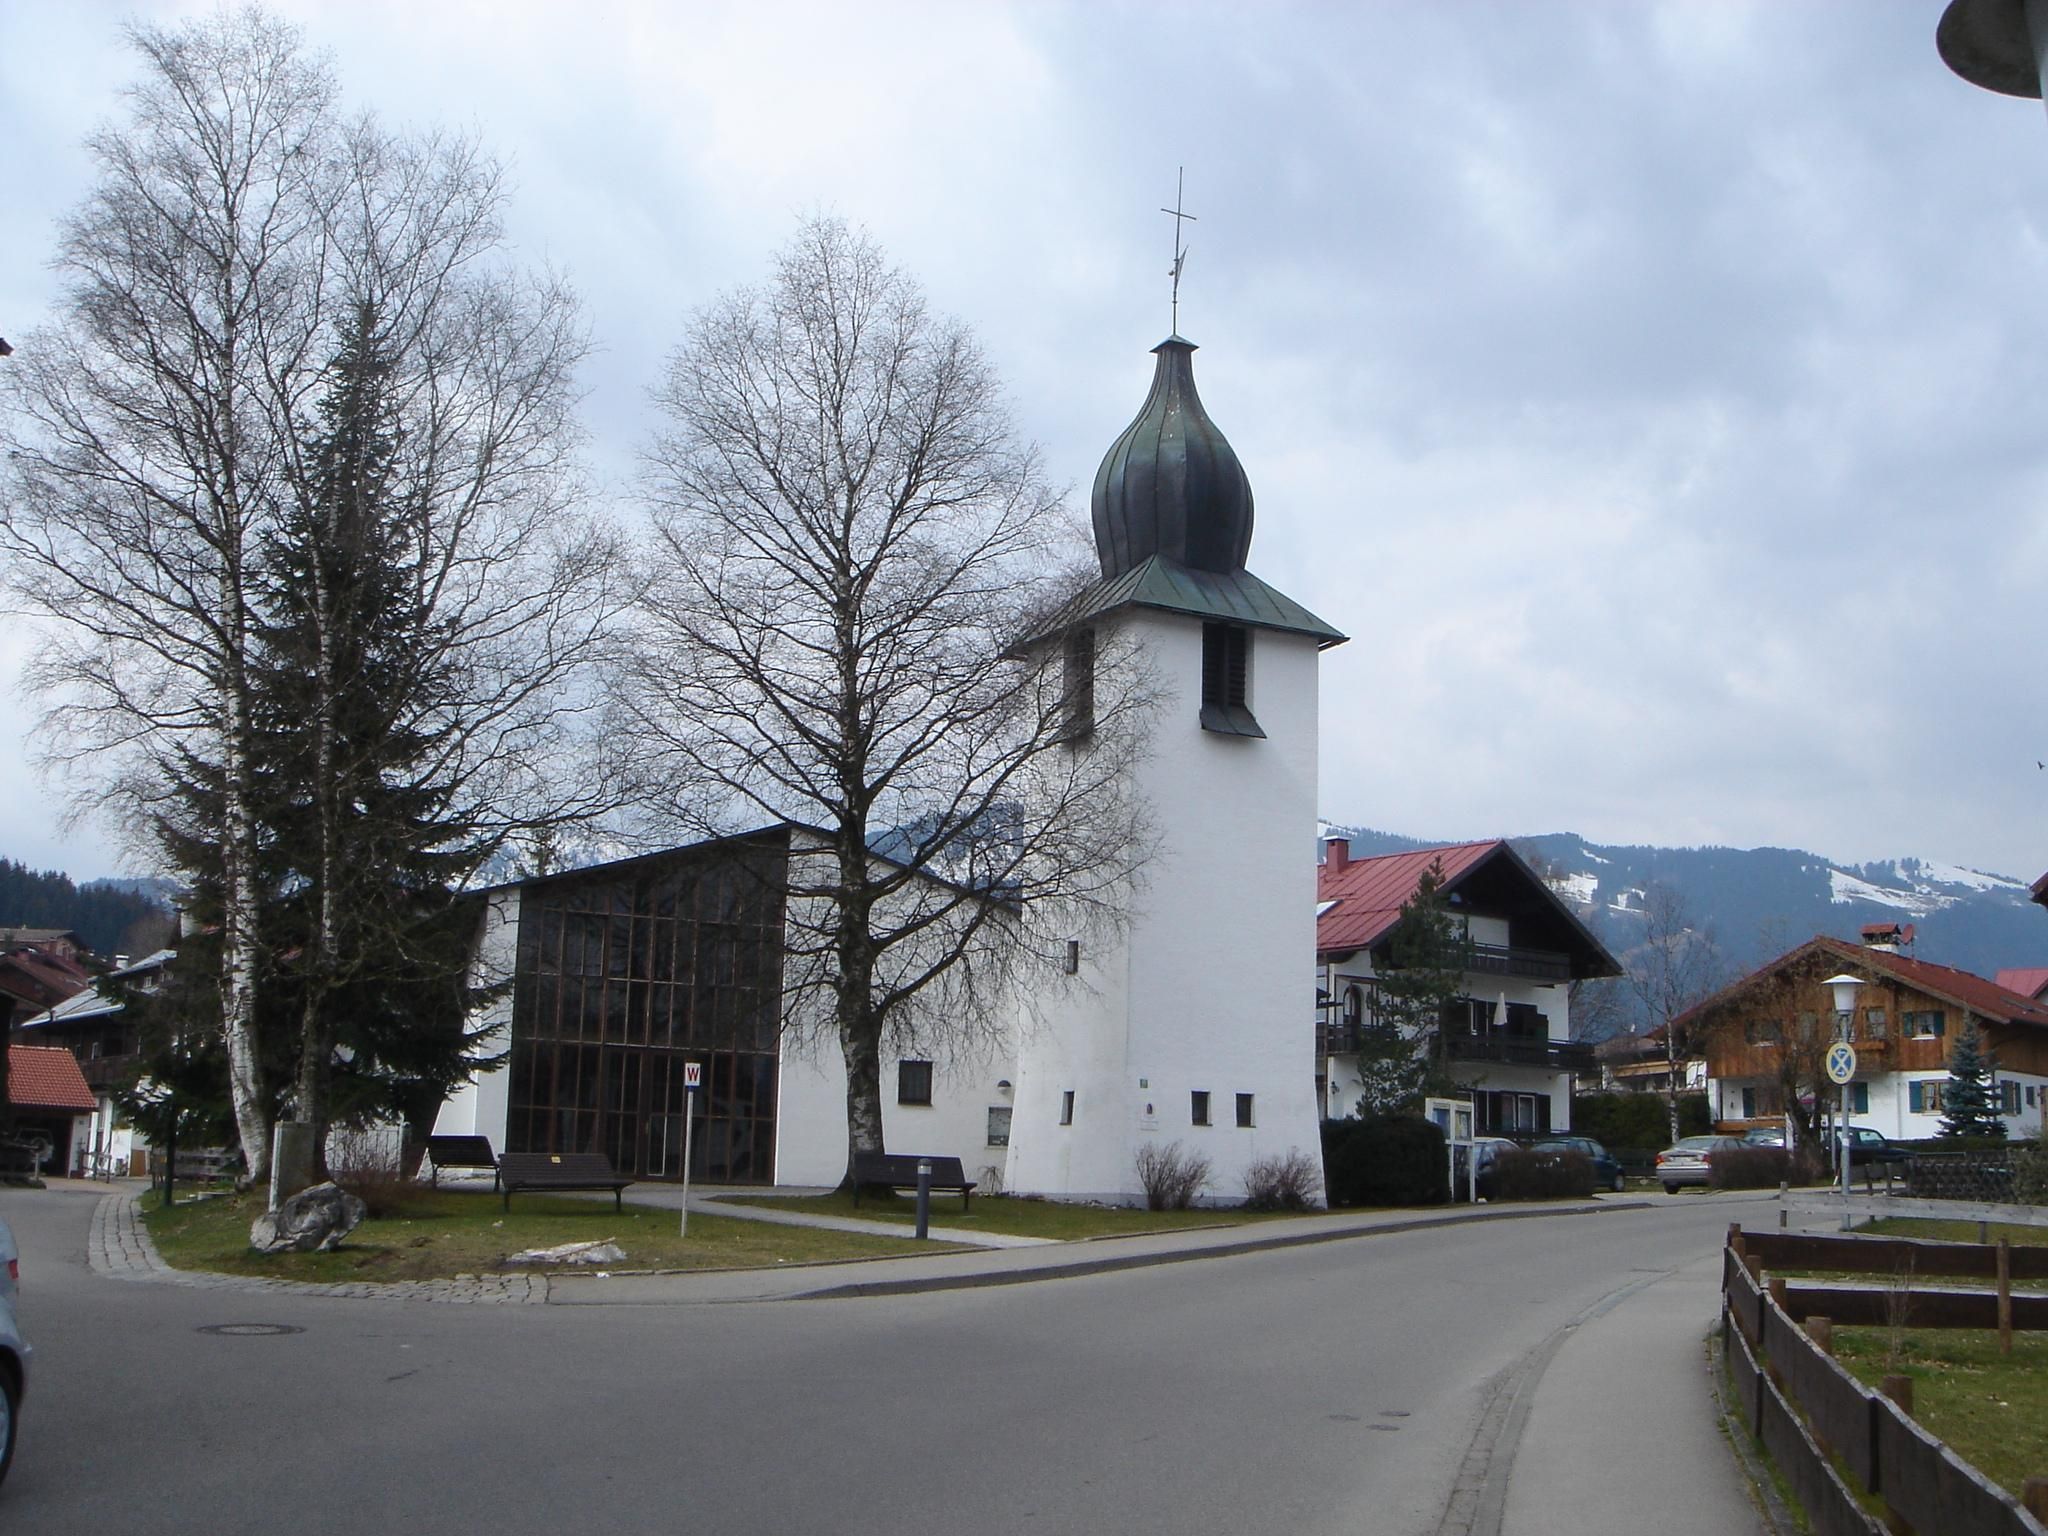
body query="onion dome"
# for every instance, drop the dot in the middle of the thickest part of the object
(1171, 485)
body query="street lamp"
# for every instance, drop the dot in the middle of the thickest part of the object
(1845, 988)
(2001, 45)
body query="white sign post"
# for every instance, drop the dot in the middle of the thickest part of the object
(1842, 1067)
(693, 1079)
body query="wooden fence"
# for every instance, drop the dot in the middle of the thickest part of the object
(1811, 1414)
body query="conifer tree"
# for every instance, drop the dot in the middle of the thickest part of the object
(1404, 1051)
(367, 850)
(1968, 1105)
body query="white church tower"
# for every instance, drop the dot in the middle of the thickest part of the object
(1197, 1025)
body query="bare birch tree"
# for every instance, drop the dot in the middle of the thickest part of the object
(851, 545)
(164, 443)
(1672, 967)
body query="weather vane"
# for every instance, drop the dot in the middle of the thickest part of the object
(1180, 252)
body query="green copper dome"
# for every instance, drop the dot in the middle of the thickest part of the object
(1171, 485)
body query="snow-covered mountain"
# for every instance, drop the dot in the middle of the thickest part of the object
(1759, 902)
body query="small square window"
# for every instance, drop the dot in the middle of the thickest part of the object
(913, 1082)
(1198, 1106)
(999, 1125)
(1244, 1111)
(1067, 1107)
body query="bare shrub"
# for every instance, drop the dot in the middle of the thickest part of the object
(1898, 1307)
(1170, 1175)
(369, 1165)
(1289, 1182)
(1749, 1167)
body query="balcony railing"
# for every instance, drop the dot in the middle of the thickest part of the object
(1536, 964)
(1521, 1051)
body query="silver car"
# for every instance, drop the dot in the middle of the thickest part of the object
(1685, 1161)
(14, 1351)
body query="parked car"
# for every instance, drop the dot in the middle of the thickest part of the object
(1765, 1136)
(1486, 1150)
(1606, 1170)
(1686, 1161)
(14, 1351)
(1868, 1146)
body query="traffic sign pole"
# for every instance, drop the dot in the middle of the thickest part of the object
(693, 1077)
(1842, 1067)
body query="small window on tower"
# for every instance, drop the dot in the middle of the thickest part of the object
(1077, 687)
(1226, 680)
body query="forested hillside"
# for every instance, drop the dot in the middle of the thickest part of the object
(107, 918)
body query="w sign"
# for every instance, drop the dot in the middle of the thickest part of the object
(693, 1074)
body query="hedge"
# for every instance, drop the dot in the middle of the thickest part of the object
(1386, 1160)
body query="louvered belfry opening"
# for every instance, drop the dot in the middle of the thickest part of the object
(1226, 680)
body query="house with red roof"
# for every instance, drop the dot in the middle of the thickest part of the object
(1766, 1034)
(1508, 1036)
(49, 1097)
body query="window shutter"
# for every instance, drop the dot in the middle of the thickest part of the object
(1916, 1098)
(1940, 1023)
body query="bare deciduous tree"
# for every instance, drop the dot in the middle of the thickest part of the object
(851, 545)
(166, 460)
(1671, 967)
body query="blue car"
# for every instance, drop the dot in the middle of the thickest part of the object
(1606, 1171)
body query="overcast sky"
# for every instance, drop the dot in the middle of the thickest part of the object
(1655, 394)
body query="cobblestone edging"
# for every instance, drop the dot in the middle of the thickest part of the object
(120, 1248)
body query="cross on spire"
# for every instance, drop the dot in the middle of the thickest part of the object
(1180, 252)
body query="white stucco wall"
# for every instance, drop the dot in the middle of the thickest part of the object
(1206, 990)
(480, 1106)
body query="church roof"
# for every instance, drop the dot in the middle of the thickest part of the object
(1234, 597)
(1171, 484)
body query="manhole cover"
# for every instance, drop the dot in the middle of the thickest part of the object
(251, 1330)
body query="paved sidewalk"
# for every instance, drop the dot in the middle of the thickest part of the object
(118, 1247)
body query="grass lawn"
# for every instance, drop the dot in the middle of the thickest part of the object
(437, 1234)
(1021, 1218)
(1955, 1231)
(1991, 1409)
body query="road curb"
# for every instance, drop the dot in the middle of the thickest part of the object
(1113, 1262)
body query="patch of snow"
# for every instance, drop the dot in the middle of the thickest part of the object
(1578, 888)
(1847, 888)
(1972, 879)
(1593, 857)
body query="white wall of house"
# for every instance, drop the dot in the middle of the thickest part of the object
(1552, 999)
(481, 1106)
(1205, 991)
(1890, 1099)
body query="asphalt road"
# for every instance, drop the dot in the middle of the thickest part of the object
(1350, 1387)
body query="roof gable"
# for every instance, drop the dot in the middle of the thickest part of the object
(1359, 902)
(44, 1077)
(1964, 989)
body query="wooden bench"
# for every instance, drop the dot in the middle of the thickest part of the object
(560, 1170)
(898, 1170)
(461, 1152)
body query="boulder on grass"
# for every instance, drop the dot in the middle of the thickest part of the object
(313, 1220)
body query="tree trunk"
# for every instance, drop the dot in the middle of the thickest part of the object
(240, 901)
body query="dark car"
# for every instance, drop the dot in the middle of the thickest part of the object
(1606, 1170)
(1869, 1147)
(1486, 1150)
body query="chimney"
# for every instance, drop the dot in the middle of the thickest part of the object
(1337, 853)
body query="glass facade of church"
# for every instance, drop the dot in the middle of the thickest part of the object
(627, 972)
